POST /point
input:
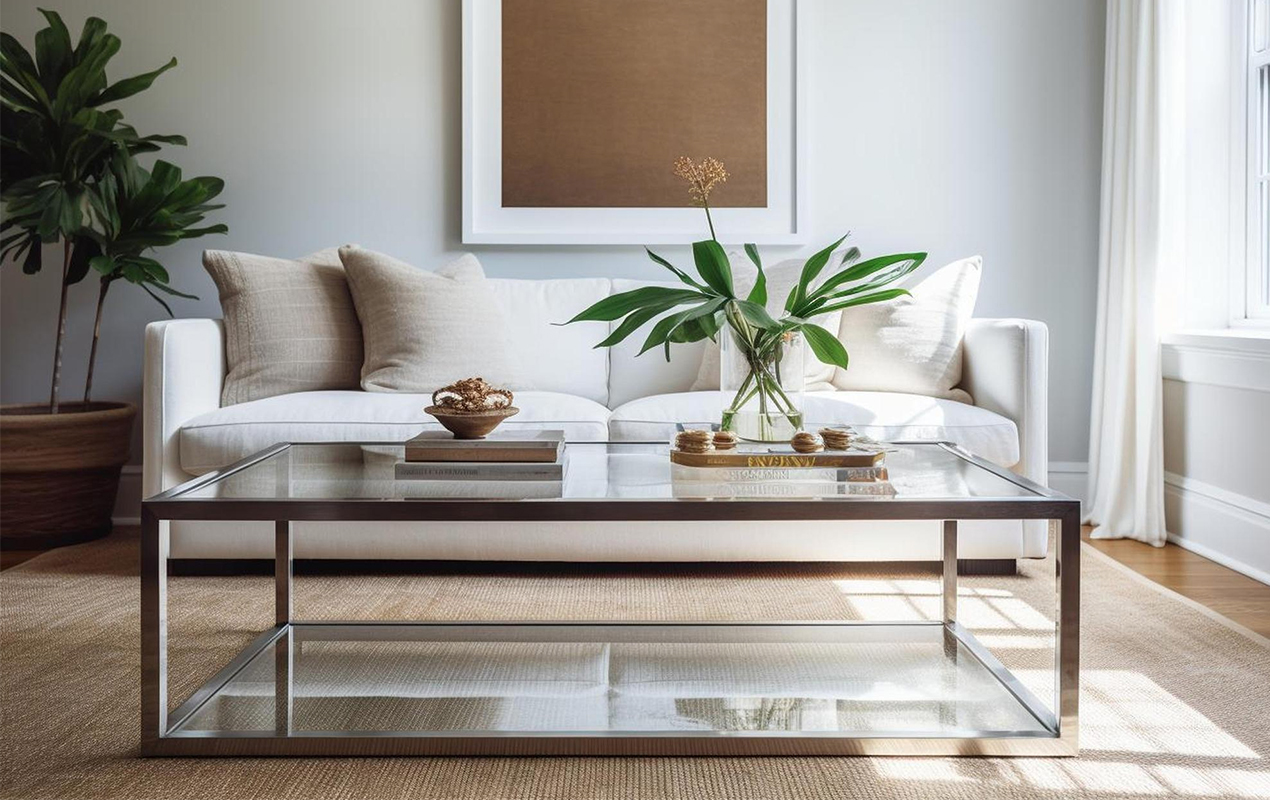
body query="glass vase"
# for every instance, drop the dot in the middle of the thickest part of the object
(761, 375)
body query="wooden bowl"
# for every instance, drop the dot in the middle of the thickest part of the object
(471, 424)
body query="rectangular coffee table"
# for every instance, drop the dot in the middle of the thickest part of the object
(487, 687)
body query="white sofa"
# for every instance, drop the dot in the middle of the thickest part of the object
(593, 394)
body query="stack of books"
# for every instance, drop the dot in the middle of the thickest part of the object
(768, 471)
(526, 465)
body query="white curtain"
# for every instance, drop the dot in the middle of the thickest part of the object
(1141, 249)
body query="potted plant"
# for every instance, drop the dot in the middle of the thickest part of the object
(761, 356)
(69, 176)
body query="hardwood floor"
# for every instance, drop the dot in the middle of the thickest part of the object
(11, 558)
(1225, 591)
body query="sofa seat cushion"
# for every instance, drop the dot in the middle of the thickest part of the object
(889, 416)
(223, 436)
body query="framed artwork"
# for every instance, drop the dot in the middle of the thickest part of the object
(575, 110)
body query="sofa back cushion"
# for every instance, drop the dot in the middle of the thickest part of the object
(424, 330)
(912, 344)
(290, 325)
(631, 377)
(556, 358)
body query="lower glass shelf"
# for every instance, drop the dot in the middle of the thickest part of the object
(873, 681)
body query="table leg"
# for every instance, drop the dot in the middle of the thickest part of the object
(283, 669)
(282, 572)
(950, 571)
(283, 610)
(1067, 637)
(948, 584)
(154, 629)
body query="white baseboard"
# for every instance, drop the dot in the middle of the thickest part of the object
(128, 501)
(1219, 525)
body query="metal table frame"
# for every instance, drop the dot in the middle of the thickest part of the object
(158, 725)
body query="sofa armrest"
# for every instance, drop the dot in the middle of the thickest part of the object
(184, 373)
(1006, 370)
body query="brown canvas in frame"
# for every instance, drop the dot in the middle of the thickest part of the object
(600, 97)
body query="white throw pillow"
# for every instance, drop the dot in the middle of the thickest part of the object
(912, 344)
(781, 278)
(424, 330)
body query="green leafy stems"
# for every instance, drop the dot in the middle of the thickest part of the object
(709, 302)
(68, 173)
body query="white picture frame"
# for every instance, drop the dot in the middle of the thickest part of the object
(784, 221)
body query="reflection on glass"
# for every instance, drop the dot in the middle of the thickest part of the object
(875, 680)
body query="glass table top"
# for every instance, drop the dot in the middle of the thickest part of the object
(599, 471)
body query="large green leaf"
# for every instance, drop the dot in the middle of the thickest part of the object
(759, 293)
(169, 290)
(756, 315)
(194, 233)
(85, 250)
(633, 322)
(94, 29)
(694, 326)
(693, 330)
(15, 61)
(811, 269)
(619, 305)
(51, 219)
(825, 345)
(84, 79)
(16, 64)
(31, 264)
(14, 99)
(864, 300)
(158, 299)
(103, 264)
(683, 276)
(713, 267)
(658, 335)
(53, 50)
(130, 86)
(908, 262)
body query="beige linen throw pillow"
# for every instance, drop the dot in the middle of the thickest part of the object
(424, 330)
(781, 278)
(290, 325)
(913, 344)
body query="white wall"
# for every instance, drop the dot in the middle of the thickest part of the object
(967, 127)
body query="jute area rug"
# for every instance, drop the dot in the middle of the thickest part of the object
(1175, 701)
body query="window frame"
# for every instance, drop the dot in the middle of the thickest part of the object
(1251, 301)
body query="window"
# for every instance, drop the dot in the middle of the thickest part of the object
(1257, 297)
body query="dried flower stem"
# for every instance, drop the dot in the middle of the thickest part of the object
(702, 178)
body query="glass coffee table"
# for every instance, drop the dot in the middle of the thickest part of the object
(489, 687)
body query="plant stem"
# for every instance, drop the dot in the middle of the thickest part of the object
(763, 355)
(92, 353)
(61, 325)
(709, 220)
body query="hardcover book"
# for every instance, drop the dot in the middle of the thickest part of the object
(518, 447)
(726, 474)
(479, 490)
(785, 459)
(480, 471)
(780, 489)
